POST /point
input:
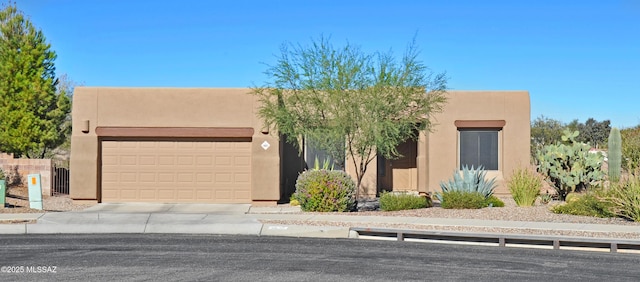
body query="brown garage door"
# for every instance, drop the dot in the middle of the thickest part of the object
(176, 171)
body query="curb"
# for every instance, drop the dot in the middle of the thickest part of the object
(253, 229)
(305, 231)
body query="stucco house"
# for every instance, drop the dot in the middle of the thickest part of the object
(207, 145)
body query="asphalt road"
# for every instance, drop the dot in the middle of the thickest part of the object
(160, 257)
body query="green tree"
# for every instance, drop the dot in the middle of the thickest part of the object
(576, 125)
(596, 132)
(33, 112)
(65, 87)
(591, 131)
(350, 101)
(545, 131)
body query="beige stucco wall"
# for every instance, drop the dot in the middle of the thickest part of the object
(166, 107)
(437, 156)
(218, 107)
(367, 188)
(442, 144)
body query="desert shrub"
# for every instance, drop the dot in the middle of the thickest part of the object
(462, 200)
(587, 204)
(624, 197)
(493, 201)
(325, 191)
(525, 187)
(293, 201)
(631, 148)
(390, 201)
(471, 180)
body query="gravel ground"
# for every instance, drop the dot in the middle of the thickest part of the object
(510, 212)
(17, 201)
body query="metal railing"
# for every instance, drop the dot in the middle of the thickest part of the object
(503, 240)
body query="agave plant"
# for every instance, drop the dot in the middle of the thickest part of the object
(326, 165)
(471, 180)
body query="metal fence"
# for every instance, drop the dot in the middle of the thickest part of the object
(60, 177)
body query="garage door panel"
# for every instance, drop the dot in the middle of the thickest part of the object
(243, 161)
(242, 194)
(166, 177)
(186, 195)
(148, 177)
(110, 160)
(147, 145)
(166, 160)
(186, 177)
(204, 160)
(185, 160)
(223, 178)
(185, 145)
(147, 160)
(242, 178)
(130, 177)
(176, 171)
(205, 145)
(224, 146)
(128, 160)
(128, 145)
(204, 177)
(223, 161)
(129, 194)
(164, 144)
(148, 194)
(224, 195)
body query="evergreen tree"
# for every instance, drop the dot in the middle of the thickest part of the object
(33, 115)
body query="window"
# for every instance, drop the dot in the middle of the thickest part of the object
(311, 152)
(479, 147)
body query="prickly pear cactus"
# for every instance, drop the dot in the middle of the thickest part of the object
(614, 154)
(569, 166)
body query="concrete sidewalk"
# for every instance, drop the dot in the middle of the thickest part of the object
(243, 220)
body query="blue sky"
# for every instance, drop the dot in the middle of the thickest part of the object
(577, 59)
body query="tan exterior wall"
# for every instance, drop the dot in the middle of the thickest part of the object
(437, 151)
(165, 107)
(512, 107)
(367, 188)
